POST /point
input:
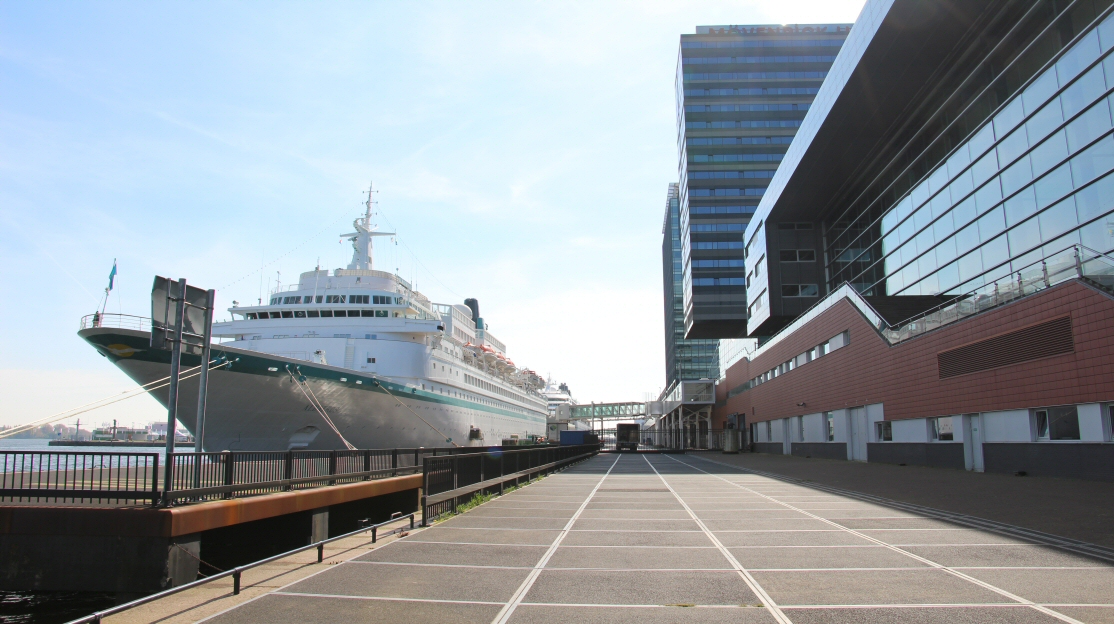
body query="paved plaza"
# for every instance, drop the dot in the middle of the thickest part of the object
(672, 538)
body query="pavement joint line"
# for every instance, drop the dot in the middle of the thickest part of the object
(751, 582)
(971, 521)
(441, 565)
(939, 566)
(383, 598)
(594, 605)
(508, 609)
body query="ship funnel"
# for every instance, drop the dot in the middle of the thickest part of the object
(474, 306)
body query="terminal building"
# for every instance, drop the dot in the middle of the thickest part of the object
(742, 93)
(929, 271)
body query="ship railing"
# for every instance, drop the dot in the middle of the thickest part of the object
(125, 478)
(116, 321)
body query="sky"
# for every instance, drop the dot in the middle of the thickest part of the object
(521, 151)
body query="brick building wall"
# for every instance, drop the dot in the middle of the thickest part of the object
(905, 378)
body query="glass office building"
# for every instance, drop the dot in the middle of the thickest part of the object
(684, 359)
(1002, 163)
(742, 92)
(931, 268)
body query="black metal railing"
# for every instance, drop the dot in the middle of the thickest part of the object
(446, 481)
(128, 478)
(96, 477)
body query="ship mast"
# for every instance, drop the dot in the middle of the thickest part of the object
(362, 246)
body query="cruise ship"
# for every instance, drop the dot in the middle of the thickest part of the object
(350, 358)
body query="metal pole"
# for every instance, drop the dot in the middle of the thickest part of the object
(172, 400)
(203, 384)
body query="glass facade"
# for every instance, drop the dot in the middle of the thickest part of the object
(1021, 172)
(742, 92)
(685, 360)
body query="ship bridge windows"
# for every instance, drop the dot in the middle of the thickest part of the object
(289, 300)
(312, 313)
(251, 316)
(285, 314)
(326, 314)
(299, 314)
(382, 300)
(358, 298)
(276, 315)
(334, 298)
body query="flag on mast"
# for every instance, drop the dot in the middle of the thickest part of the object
(111, 276)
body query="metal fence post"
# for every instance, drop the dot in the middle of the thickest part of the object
(394, 463)
(456, 477)
(367, 463)
(288, 469)
(155, 482)
(229, 470)
(425, 489)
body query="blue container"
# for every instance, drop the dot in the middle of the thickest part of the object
(572, 438)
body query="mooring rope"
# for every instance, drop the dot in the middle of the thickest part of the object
(302, 385)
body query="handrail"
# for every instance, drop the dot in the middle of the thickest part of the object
(116, 321)
(236, 572)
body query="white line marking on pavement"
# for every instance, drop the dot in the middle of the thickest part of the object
(516, 599)
(944, 568)
(751, 582)
(384, 598)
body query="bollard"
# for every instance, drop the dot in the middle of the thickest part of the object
(236, 582)
(374, 533)
(320, 552)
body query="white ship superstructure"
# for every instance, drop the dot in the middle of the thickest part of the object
(351, 357)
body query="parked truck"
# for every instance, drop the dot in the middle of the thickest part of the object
(626, 437)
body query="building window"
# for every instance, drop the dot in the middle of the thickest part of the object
(370, 360)
(942, 430)
(797, 255)
(1057, 423)
(829, 423)
(800, 290)
(883, 430)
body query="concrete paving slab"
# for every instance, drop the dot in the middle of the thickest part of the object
(481, 522)
(638, 513)
(1064, 586)
(547, 614)
(627, 538)
(1092, 615)
(532, 512)
(910, 522)
(282, 608)
(802, 523)
(873, 587)
(484, 536)
(751, 514)
(1007, 556)
(413, 581)
(406, 551)
(659, 525)
(639, 558)
(781, 557)
(900, 537)
(765, 539)
(648, 587)
(914, 615)
(626, 505)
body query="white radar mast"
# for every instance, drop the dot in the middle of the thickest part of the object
(363, 254)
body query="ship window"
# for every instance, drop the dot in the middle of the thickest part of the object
(312, 313)
(351, 312)
(299, 314)
(367, 313)
(334, 299)
(319, 298)
(276, 314)
(370, 360)
(286, 300)
(380, 313)
(358, 299)
(326, 314)
(250, 316)
(287, 315)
